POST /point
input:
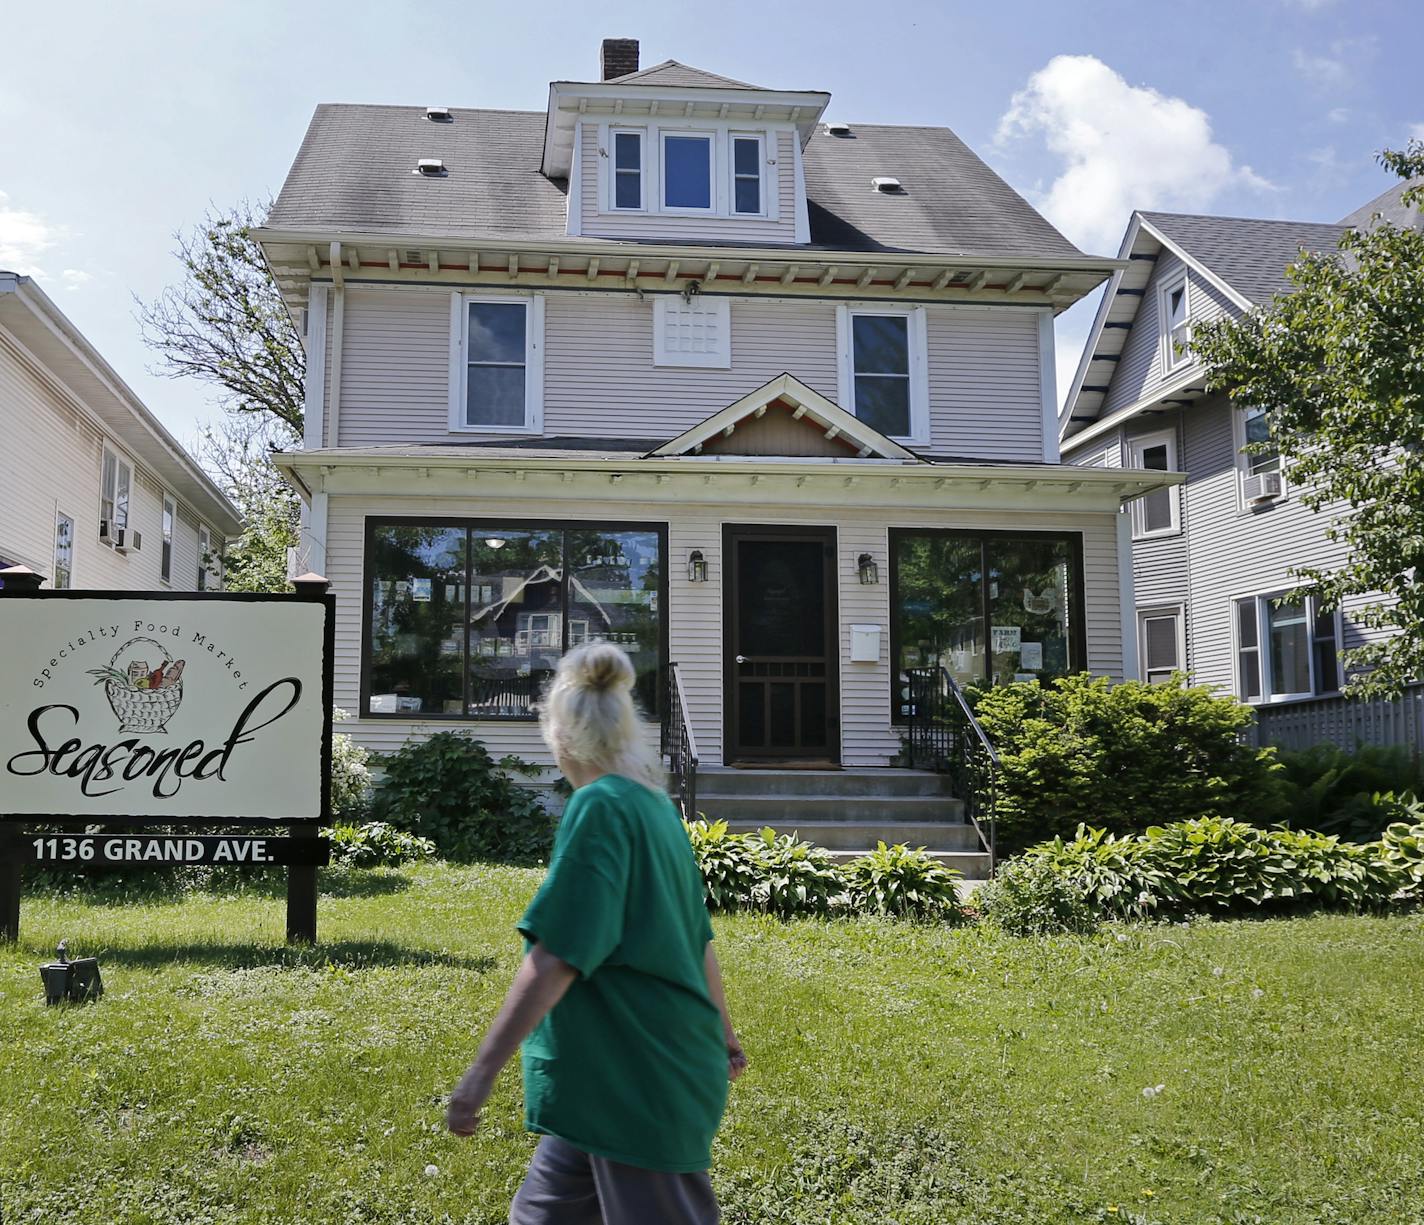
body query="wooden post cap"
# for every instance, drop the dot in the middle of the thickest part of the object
(310, 584)
(21, 578)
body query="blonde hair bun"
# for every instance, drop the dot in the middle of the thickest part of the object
(600, 666)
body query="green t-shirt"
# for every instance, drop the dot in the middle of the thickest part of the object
(631, 1063)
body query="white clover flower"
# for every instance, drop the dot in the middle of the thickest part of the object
(432, 1171)
(1152, 1091)
(1256, 993)
(1122, 937)
(1217, 971)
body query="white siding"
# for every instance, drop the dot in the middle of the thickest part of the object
(600, 381)
(657, 227)
(695, 610)
(1159, 564)
(51, 462)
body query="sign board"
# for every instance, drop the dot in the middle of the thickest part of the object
(153, 850)
(175, 707)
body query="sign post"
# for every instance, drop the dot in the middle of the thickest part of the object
(179, 709)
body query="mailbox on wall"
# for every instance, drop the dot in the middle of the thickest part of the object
(865, 644)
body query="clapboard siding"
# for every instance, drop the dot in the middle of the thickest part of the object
(695, 610)
(600, 381)
(659, 227)
(1140, 371)
(52, 463)
(1159, 563)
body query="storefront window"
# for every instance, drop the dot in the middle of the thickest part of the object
(470, 619)
(989, 608)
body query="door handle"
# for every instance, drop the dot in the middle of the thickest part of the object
(741, 659)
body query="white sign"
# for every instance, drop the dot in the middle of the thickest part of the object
(1004, 639)
(1031, 656)
(202, 707)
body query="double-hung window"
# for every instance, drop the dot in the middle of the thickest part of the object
(1285, 649)
(687, 171)
(747, 162)
(114, 498)
(1159, 635)
(497, 364)
(627, 170)
(1258, 461)
(63, 552)
(1156, 513)
(1175, 307)
(884, 380)
(170, 517)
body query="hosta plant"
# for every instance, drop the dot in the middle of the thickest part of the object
(1402, 850)
(376, 845)
(795, 877)
(895, 880)
(727, 861)
(1032, 897)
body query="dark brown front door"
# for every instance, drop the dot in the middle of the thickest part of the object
(779, 619)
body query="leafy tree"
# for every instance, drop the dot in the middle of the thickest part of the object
(236, 454)
(1339, 364)
(226, 323)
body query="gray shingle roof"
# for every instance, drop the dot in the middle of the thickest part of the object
(1249, 254)
(1391, 208)
(354, 174)
(671, 72)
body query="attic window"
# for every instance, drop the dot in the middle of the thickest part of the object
(886, 183)
(439, 114)
(430, 167)
(837, 129)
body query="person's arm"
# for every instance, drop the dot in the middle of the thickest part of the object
(736, 1057)
(539, 985)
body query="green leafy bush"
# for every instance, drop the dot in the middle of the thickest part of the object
(1355, 795)
(794, 877)
(1083, 751)
(1110, 872)
(728, 863)
(1402, 849)
(1031, 897)
(448, 788)
(894, 880)
(350, 775)
(375, 845)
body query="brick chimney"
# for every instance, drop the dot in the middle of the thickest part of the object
(617, 57)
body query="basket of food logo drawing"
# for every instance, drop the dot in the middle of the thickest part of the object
(144, 684)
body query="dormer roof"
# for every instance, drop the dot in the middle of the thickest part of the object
(674, 72)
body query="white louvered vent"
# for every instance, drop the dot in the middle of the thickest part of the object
(430, 167)
(414, 257)
(696, 333)
(439, 114)
(886, 183)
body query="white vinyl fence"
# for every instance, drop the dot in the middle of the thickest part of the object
(1344, 721)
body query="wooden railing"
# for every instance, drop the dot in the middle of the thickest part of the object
(943, 735)
(679, 745)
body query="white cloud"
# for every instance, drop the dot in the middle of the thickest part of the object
(1122, 147)
(1321, 70)
(24, 238)
(1416, 131)
(73, 278)
(1310, 6)
(1340, 114)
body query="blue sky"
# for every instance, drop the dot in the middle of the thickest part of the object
(120, 123)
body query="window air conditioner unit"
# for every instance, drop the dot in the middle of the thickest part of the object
(1262, 487)
(133, 542)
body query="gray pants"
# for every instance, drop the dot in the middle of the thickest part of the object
(566, 1186)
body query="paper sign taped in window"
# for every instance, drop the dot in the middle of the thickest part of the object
(1030, 656)
(1005, 639)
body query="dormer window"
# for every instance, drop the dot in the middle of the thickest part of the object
(687, 170)
(747, 161)
(628, 170)
(1176, 323)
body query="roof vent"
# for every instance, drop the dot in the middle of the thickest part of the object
(415, 257)
(430, 167)
(837, 129)
(439, 114)
(886, 183)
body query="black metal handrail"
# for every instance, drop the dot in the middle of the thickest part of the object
(680, 746)
(943, 735)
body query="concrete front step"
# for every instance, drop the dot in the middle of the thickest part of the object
(848, 835)
(729, 780)
(775, 809)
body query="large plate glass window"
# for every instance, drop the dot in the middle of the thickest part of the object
(170, 517)
(628, 170)
(1155, 514)
(687, 170)
(989, 608)
(469, 619)
(747, 160)
(880, 361)
(1285, 649)
(496, 360)
(63, 552)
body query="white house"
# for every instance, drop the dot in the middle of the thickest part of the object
(94, 492)
(680, 363)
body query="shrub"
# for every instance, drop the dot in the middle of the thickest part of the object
(894, 880)
(1083, 751)
(728, 863)
(1355, 795)
(375, 845)
(448, 788)
(794, 877)
(350, 774)
(1030, 897)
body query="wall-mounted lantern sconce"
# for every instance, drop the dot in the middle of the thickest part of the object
(696, 567)
(868, 570)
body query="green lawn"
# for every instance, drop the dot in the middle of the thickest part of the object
(898, 1073)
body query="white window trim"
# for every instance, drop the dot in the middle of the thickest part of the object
(720, 132)
(610, 202)
(1263, 649)
(121, 461)
(1156, 612)
(918, 332)
(73, 546)
(205, 546)
(533, 362)
(1171, 362)
(167, 500)
(721, 360)
(1135, 448)
(762, 167)
(1243, 466)
(708, 137)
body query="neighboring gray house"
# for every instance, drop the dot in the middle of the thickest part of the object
(680, 363)
(1209, 556)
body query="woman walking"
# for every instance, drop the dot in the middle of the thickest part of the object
(627, 1044)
